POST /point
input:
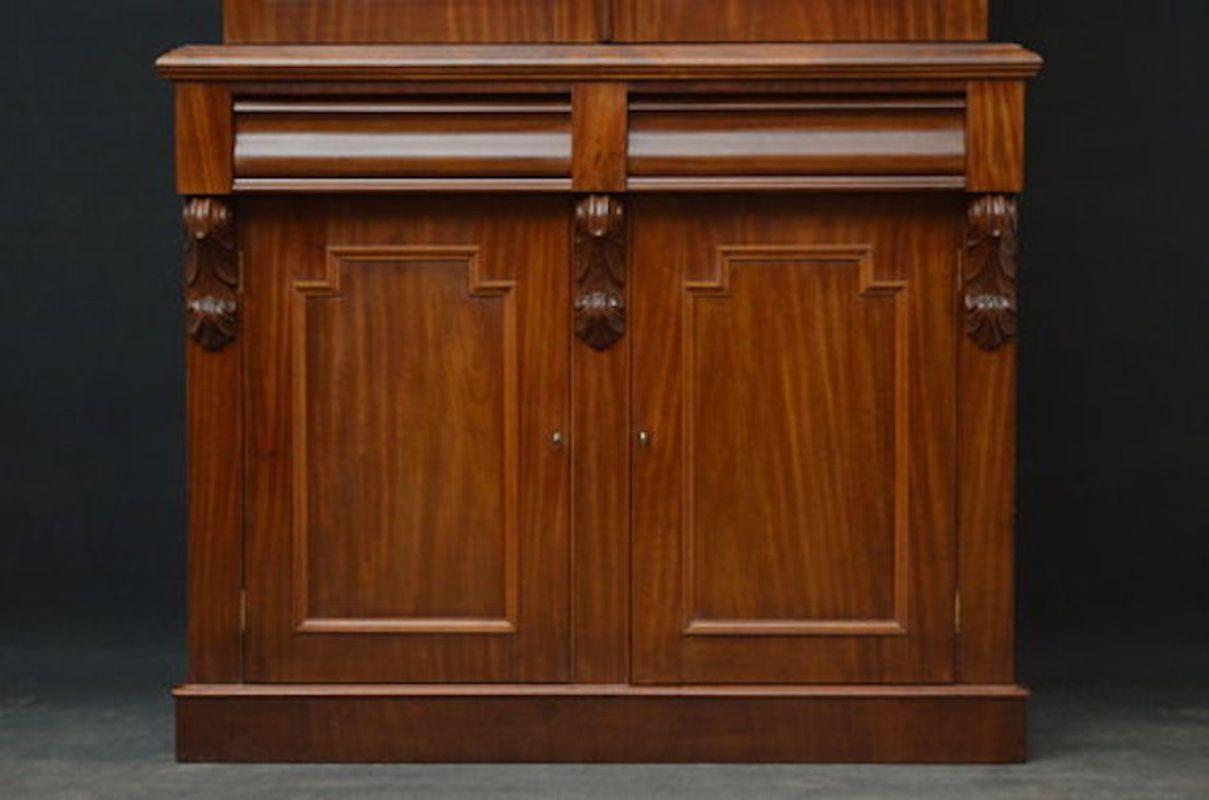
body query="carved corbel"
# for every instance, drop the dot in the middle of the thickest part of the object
(992, 251)
(600, 263)
(211, 273)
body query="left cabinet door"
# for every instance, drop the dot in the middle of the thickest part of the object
(407, 379)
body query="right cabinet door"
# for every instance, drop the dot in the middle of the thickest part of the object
(794, 438)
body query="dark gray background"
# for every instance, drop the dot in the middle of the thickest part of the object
(1114, 517)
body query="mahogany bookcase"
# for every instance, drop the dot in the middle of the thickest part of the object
(590, 380)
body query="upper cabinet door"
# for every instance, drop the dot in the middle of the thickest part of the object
(550, 21)
(794, 413)
(409, 21)
(798, 20)
(407, 370)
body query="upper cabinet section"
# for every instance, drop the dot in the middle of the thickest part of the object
(409, 21)
(551, 21)
(799, 20)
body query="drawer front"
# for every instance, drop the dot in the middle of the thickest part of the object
(430, 137)
(796, 136)
(662, 140)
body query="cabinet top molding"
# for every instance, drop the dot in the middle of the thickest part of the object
(363, 63)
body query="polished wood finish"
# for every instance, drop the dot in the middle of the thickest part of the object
(799, 20)
(204, 136)
(601, 126)
(987, 443)
(600, 407)
(465, 21)
(426, 506)
(313, 186)
(750, 135)
(365, 21)
(690, 62)
(792, 371)
(601, 724)
(995, 136)
(214, 404)
(806, 183)
(601, 380)
(416, 137)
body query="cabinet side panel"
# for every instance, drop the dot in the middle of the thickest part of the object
(986, 511)
(215, 487)
(408, 21)
(987, 455)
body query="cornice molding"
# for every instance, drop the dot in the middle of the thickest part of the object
(376, 63)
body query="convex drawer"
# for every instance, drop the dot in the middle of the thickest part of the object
(453, 137)
(797, 135)
(672, 140)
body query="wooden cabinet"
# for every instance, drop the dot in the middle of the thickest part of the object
(556, 399)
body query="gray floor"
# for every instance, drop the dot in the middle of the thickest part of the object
(82, 720)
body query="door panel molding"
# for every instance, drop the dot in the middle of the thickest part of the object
(341, 259)
(797, 353)
(869, 285)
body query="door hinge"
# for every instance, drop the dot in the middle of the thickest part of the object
(243, 610)
(957, 612)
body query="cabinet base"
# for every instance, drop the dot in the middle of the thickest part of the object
(480, 723)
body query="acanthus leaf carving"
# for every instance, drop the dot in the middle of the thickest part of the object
(600, 263)
(992, 249)
(211, 273)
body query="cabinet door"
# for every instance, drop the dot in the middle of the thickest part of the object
(799, 20)
(406, 369)
(794, 376)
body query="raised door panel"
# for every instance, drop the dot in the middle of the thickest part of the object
(408, 513)
(794, 474)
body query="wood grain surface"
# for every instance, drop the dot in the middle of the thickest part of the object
(646, 62)
(423, 137)
(600, 126)
(987, 446)
(798, 20)
(893, 724)
(364, 21)
(601, 380)
(214, 404)
(995, 135)
(793, 512)
(794, 135)
(204, 139)
(403, 385)
(600, 402)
